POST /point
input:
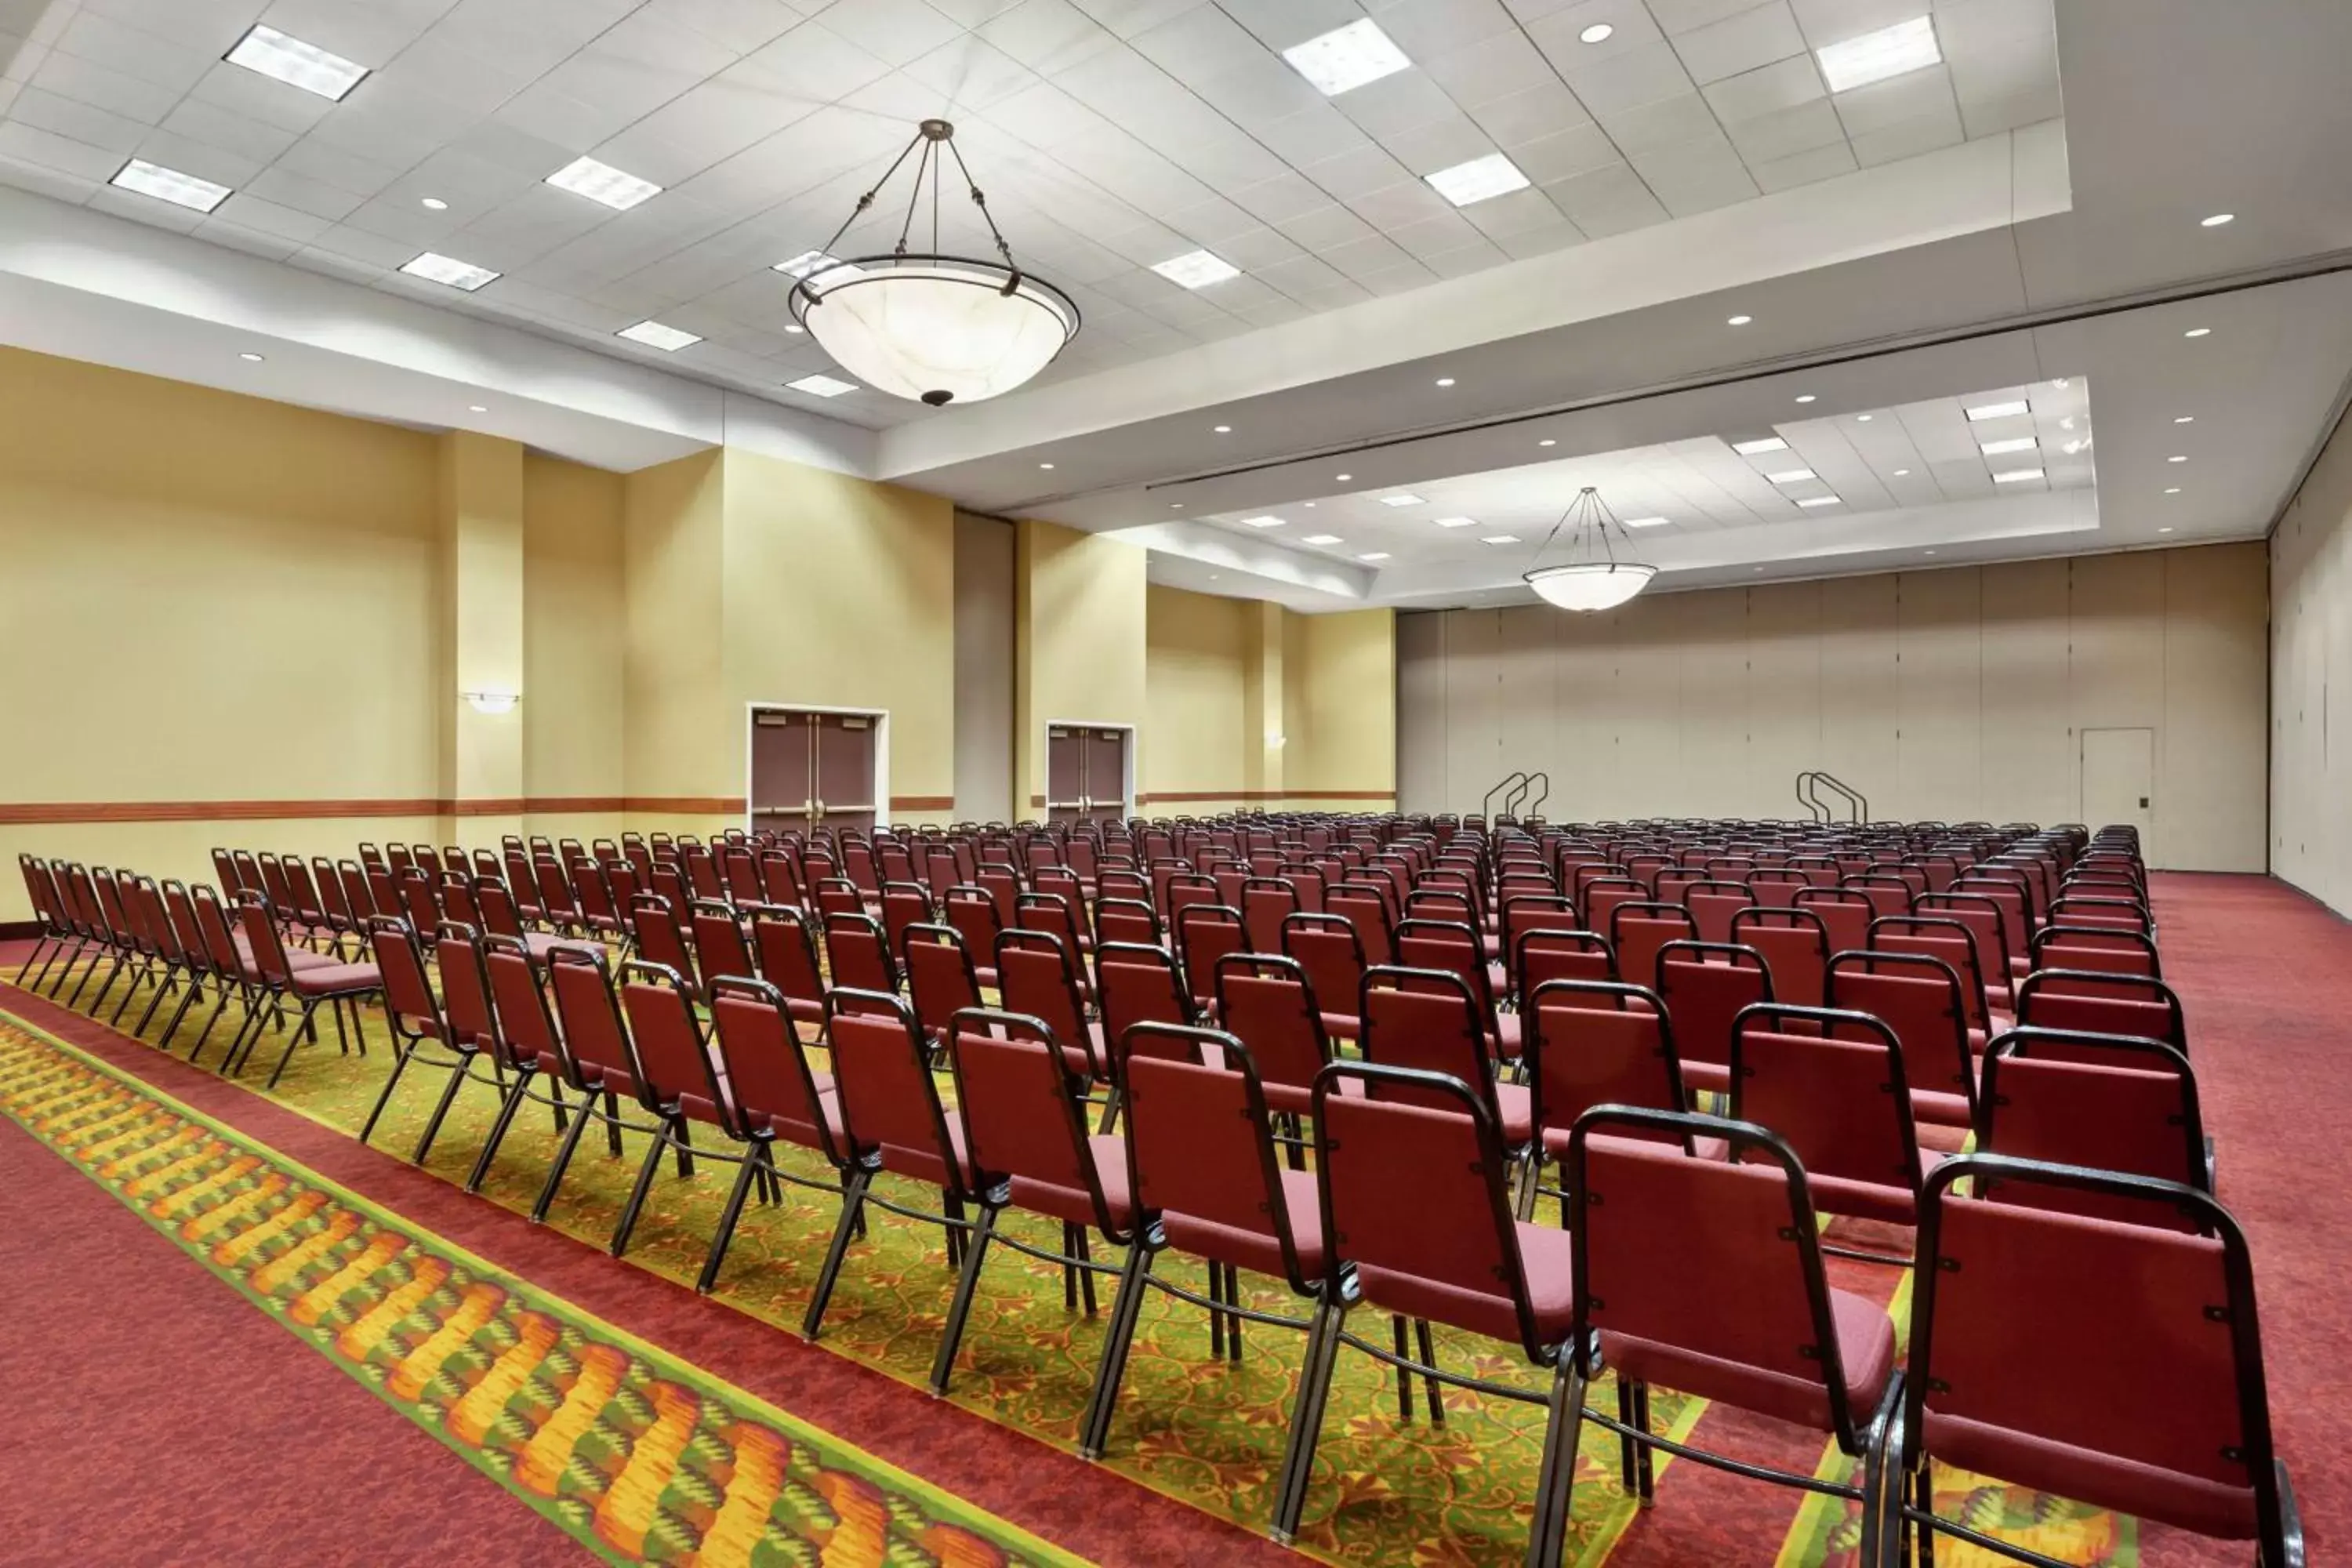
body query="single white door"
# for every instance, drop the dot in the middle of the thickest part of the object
(2119, 779)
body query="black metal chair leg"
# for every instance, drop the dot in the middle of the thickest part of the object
(1429, 1385)
(384, 1095)
(1216, 1319)
(1556, 1476)
(1094, 1429)
(1086, 1275)
(441, 1107)
(612, 1123)
(975, 1253)
(728, 1216)
(294, 1038)
(645, 1173)
(1069, 1270)
(1306, 1421)
(508, 1107)
(685, 1149)
(1404, 1376)
(579, 1120)
(1234, 1324)
(1645, 1459)
(853, 1201)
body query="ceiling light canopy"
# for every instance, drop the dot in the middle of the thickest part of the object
(2217, 220)
(170, 186)
(929, 326)
(1598, 33)
(1593, 578)
(435, 268)
(1480, 178)
(1196, 269)
(295, 63)
(1874, 56)
(603, 184)
(1346, 57)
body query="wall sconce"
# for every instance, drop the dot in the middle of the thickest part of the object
(1275, 740)
(492, 701)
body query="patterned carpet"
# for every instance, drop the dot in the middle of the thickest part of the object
(1206, 1433)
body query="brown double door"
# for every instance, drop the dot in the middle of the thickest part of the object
(1085, 773)
(812, 770)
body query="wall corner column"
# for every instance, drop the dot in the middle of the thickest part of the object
(480, 540)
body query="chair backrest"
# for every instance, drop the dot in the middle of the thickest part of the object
(1714, 905)
(721, 947)
(1638, 928)
(1831, 1084)
(557, 897)
(2142, 1344)
(408, 999)
(1918, 997)
(1327, 947)
(2106, 1102)
(904, 904)
(526, 1029)
(857, 952)
(466, 1003)
(1795, 947)
(1429, 1020)
(1266, 902)
(889, 1101)
(1205, 934)
(1136, 983)
(1038, 977)
(657, 926)
(256, 918)
(1200, 1147)
(2077, 907)
(419, 899)
(1454, 948)
(680, 1075)
(1127, 921)
(2097, 1003)
(1703, 987)
(1268, 1002)
(1940, 938)
(1544, 955)
(786, 953)
(941, 980)
(2098, 948)
(1706, 1258)
(1775, 887)
(1022, 1120)
(1369, 907)
(1987, 927)
(591, 1016)
(1598, 1043)
(1844, 913)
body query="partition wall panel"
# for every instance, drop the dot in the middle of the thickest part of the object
(2310, 680)
(1952, 694)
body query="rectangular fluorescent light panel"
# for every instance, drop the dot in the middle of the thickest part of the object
(170, 186)
(1268, 520)
(1375, 556)
(1500, 539)
(2020, 444)
(1457, 522)
(1346, 57)
(654, 335)
(602, 183)
(806, 262)
(1818, 500)
(1402, 500)
(2016, 476)
(1791, 476)
(1984, 411)
(435, 269)
(1320, 538)
(1874, 56)
(1492, 175)
(822, 385)
(1646, 522)
(1196, 269)
(1757, 448)
(295, 63)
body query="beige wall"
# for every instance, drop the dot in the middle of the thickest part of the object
(1079, 645)
(575, 629)
(1341, 720)
(1196, 686)
(2311, 681)
(985, 574)
(1952, 694)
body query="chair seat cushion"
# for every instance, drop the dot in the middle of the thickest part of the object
(1302, 1202)
(2106, 1481)
(1546, 1263)
(1937, 1106)
(1865, 1338)
(337, 980)
(1343, 1026)
(1074, 1204)
(1715, 1078)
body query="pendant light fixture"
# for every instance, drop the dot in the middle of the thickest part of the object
(1593, 579)
(926, 325)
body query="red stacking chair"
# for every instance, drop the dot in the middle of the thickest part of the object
(1430, 1020)
(1266, 903)
(1775, 887)
(1417, 1217)
(1952, 942)
(2134, 1383)
(602, 1053)
(1986, 925)
(2094, 1003)
(1638, 928)
(2005, 890)
(1206, 934)
(1454, 949)
(1715, 905)
(1368, 906)
(1025, 1137)
(657, 929)
(1137, 984)
(527, 1044)
(1128, 920)
(904, 904)
(2106, 1102)
(1055, 915)
(278, 979)
(1844, 914)
(1270, 1005)
(1831, 1084)
(1327, 947)
(676, 1080)
(1703, 986)
(2077, 907)
(1918, 997)
(785, 952)
(2096, 949)
(721, 948)
(1038, 977)
(1706, 1278)
(1795, 947)
(973, 913)
(1547, 955)
(1590, 1043)
(857, 954)
(1201, 1165)
(941, 979)
(421, 1030)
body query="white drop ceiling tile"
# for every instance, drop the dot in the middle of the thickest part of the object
(742, 26)
(1766, 90)
(314, 159)
(251, 212)
(20, 57)
(1201, 43)
(1311, 135)
(1573, 152)
(1992, 116)
(205, 162)
(1435, 236)
(1397, 279)
(972, 12)
(1286, 195)
(70, 76)
(1491, 68)
(1281, 24)
(133, 52)
(334, 266)
(1970, 24)
(1275, 314)
(254, 97)
(9, 93)
(1669, 122)
(813, 62)
(1047, 35)
(1147, 244)
(893, 31)
(1260, 91)
(1803, 168)
(1358, 172)
(1301, 276)
(1259, 248)
(1363, 258)
(1521, 212)
(1834, 21)
(371, 35)
(1401, 205)
(1558, 32)
(972, 73)
(575, 124)
(1785, 132)
(78, 122)
(1963, 479)
(1211, 222)
(1128, 18)
(1640, 76)
(1462, 260)
(359, 244)
(1531, 114)
(1909, 138)
(1440, 145)
(316, 198)
(252, 241)
(703, 127)
(1895, 100)
(30, 144)
(1396, 102)
(210, 25)
(2004, 66)
(1696, 177)
(400, 127)
(1423, 29)
(1753, 38)
(143, 209)
(1606, 201)
(248, 138)
(1325, 227)
(1683, 16)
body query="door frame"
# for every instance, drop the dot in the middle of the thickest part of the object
(1126, 757)
(881, 717)
(2082, 749)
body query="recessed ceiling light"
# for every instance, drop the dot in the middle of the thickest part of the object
(1902, 473)
(170, 186)
(1806, 397)
(602, 183)
(437, 269)
(1646, 522)
(1446, 381)
(1874, 56)
(806, 262)
(2016, 443)
(1307, 504)
(1926, 552)
(2172, 490)
(1863, 419)
(475, 408)
(1266, 520)
(1320, 538)
(1475, 181)
(295, 63)
(1175, 506)
(2198, 333)
(794, 328)
(1547, 441)
(653, 335)
(1196, 269)
(1400, 499)
(1045, 465)
(1757, 447)
(1456, 521)
(433, 203)
(1984, 411)
(1598, 33)
(1374, 555)
(1819, 501)
(1346, 57)
(1221, 429)
(2178, 457)
(2016, 476)
(2217, 220)
(1500, 539)
(2060, 384)
(1343, 479)
(2164, 530)
(2071, 447)
(1737, 320)
(251, 358)
(2186, 419)
(822, 385)
(1791, 476)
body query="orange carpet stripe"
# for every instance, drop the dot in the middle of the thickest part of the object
(761, 1457)
(627, 1510)
(364, 1335)
(320, 1298)
(302, 1254)
(550, 1450)
(471, 1421)
(476, 1305)
(253, 1238)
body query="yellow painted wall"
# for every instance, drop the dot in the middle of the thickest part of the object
(1341, 724)
(674, 739)
(1195, 686)
(1079, 650)
(2311, 681)
(575, 613)
(1953, 694)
